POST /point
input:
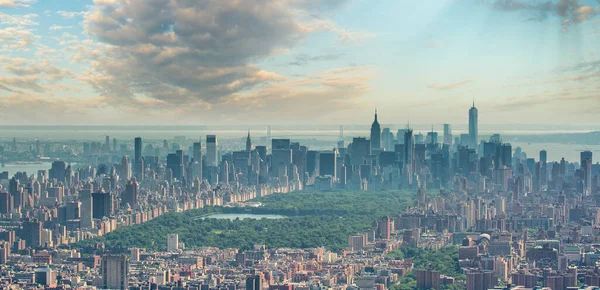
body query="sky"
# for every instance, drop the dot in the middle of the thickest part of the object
(238, 62)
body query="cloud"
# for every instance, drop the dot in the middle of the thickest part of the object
(15, 3)
(571, 12)
(165, 55)
(71, 14)
(438, 86)
(58, 27)
(304, 59)
(582, 96)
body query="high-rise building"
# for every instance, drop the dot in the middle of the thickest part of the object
(248, 142)
(375, 134)
(327, 163)
(32, 232)
(125, 168)
(448, 134)
(172, 242)
(86, 217)
(360, 148)
(385, 228)
(586, 168)
(137, 148)
(137, 160)
(115, 272)
(212, 154)
(409, 150)
(473, 128)
(175, 164)
(130, 195)
(254, 282)
(197, 155)
(45, 276)
(102, 205)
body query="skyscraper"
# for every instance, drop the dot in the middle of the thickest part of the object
(409, 147)
(375, 134)
(172, 242)
(125, 168)
(138, 148)
(248, 142)
(86, 217)
(197, 155)
(212, 154)
(115, 272)
(130, 195)
(448, 134)
(473, 127)
(32, 232)
(139, 163)
(586, 168)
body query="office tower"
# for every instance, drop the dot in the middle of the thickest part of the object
(281, 157)
(197, 155)
(137, 148)
(357, 242)
(86, 218)
(586, 168)
(409, 150)
(375, 135)
(45, 276)
(385, 228)
(248, 142)
(280, 144)
(137, 157)
(359, 149)
(387, 139)
(32, 232)
(125, 168)
(102, 205)
(6, 202)
(16, 193)
(432, 138)
(73, 210)
(134, 255)
(448, 134)
(473, 128)
(212, 154)
(58, 171)
(254, 282)
(175, 164)
(327, 163)
(114, 143)
(130, 195)
(115, 272)
(172, 242)
(543, 176)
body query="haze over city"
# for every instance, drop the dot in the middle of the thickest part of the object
(108, 62)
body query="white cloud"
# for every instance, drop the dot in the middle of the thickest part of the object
(15, 3)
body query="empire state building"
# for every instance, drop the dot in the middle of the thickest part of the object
(375, 135)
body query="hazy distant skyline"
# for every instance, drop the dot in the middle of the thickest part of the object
(298, 61)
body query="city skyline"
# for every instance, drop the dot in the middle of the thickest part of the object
(108, 62)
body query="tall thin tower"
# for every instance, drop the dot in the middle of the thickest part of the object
(375, 134)
(473, 127)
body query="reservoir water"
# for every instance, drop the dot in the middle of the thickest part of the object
(234, 216)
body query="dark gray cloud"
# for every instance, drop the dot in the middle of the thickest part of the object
(572, 12)
(178, 52)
